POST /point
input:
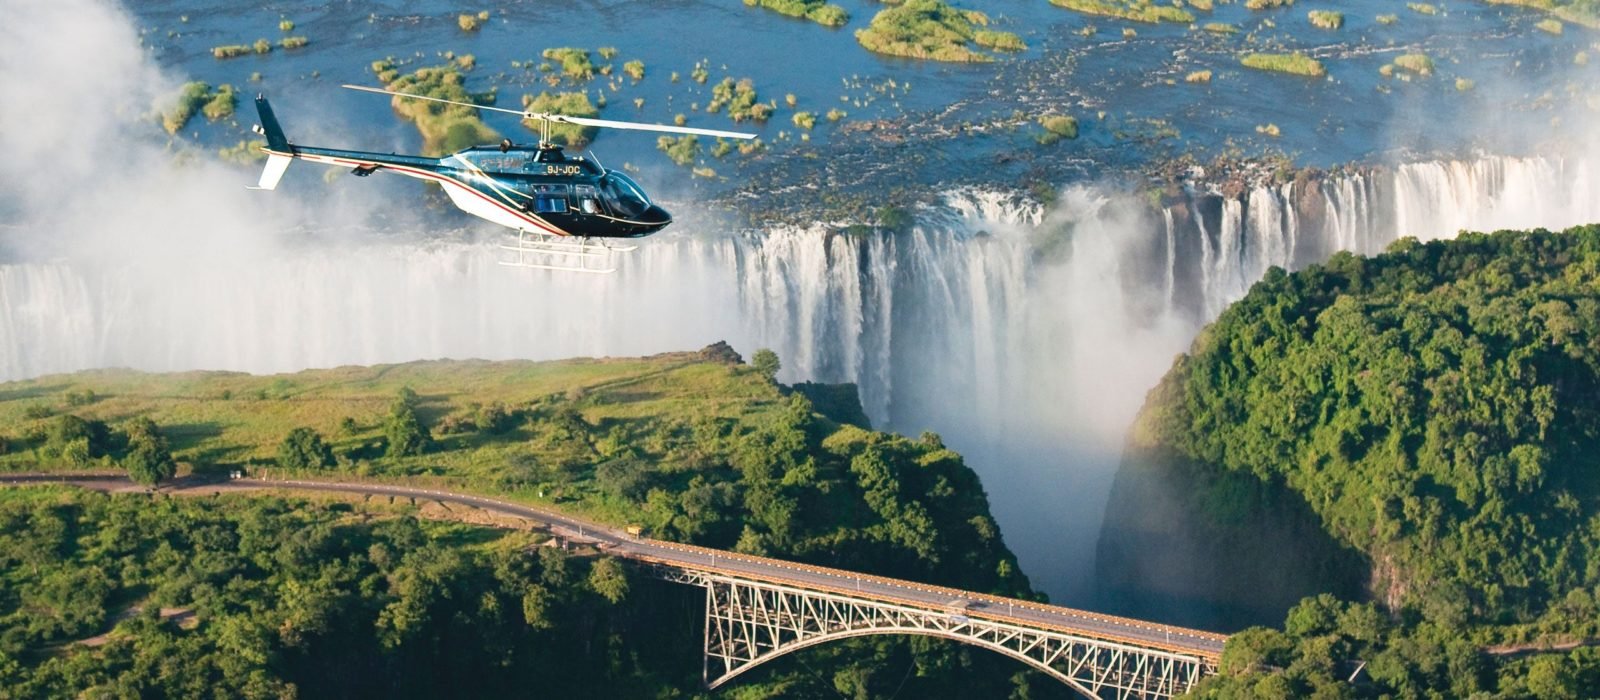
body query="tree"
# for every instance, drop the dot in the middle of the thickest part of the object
(766, 362)
(149, 459)
(303, 448)
(406, 434)
(608, 579)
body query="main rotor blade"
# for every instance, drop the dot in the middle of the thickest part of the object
(435, 99)
(609, 124)
(582, 121)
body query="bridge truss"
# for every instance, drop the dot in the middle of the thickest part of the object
(750, 622)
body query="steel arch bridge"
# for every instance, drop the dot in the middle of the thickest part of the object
(749, 623)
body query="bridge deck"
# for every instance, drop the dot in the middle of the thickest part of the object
(1178, 640)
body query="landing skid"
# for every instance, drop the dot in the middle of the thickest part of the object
(543, 251)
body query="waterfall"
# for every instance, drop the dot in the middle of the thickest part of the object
(1030, 359)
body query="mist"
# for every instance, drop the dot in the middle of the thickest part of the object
(121, 250)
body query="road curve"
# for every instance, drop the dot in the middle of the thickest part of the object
(1178, 640)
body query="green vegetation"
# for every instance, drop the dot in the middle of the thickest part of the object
(230, 51)
(220, 104)
(1430, 419)
(819, 11)
(933, 30)
(739, 97)
(681, 149)
(572, 104)
(469, 23)
(1549, 26)
(1326, 19)
(1135, 10)
(998, 41)
(1267, 4)
(190, 99)
(1584, 12)
(1269, 130)
(293, 42)
(1221, 28)
(445, 128)
(1057, 127)
(347, 599)
(285, 26)
(1295, 63)
(837, 114)
(262, 46)
(574, 62)
(805, 120)
(1418, 63)
(272, 596)
(303, 449)
(1465, 84)
(1423, 8)
(634, 69)
(1388, 19)
(1199, 76)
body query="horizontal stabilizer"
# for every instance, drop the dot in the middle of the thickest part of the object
(276, 164)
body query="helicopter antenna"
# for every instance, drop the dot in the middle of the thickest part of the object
(547, 118)
(596, 160)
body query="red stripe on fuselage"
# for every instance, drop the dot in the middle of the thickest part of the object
(426, 174)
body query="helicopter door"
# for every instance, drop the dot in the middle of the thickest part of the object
(588, 199)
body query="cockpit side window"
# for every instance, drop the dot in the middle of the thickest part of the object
(623, 195)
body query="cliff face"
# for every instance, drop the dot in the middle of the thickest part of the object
(1189, 544)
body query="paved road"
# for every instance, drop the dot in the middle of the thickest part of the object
(1050, 617)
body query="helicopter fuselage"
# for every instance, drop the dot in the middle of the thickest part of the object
(537, 190)
(522, 188)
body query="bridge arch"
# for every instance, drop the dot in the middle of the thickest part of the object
(797, 645)
(749, 623)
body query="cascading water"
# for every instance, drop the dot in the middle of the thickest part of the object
(1026, 339)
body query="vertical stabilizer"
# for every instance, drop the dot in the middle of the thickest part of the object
(276, 141)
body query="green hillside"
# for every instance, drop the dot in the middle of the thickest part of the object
(1420, 430)
(696, 447)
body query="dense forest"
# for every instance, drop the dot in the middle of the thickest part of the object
(332, 599)
(1429, 417)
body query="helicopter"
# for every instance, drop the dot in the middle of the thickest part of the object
(563, 208)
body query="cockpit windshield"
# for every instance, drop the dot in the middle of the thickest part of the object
(624, 195)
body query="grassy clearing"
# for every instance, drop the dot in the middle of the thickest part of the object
(819, 11)
(1134, 10)
(445, 128)
(572, 104)
(1293, 63)
(1326, 19)
(933, 30)
(516, 427)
